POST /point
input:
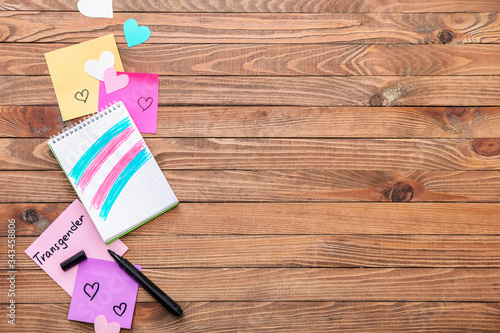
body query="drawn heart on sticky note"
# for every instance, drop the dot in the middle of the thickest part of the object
(120, 309)
(101, 325)
(96, 8)
(135, 34)
(114, 82)
(95, 68)
(145, 103)
(82, 95)
(91, 289)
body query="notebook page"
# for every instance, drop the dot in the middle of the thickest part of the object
(113, 172)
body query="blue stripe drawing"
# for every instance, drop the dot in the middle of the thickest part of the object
(84, 161)
(135, 164)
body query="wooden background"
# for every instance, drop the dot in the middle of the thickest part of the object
(337, 162)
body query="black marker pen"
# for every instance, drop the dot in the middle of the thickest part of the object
(147, 284)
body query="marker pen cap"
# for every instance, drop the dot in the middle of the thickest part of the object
(73, 260)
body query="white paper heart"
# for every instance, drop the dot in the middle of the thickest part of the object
(96, 8)
(96, 68)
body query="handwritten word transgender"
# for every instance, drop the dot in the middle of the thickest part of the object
(62, 241)
(72, 232)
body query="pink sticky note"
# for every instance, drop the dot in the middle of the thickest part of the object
(140, 97)
(102, 287)
(71, 232)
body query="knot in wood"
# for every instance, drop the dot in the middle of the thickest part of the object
(455, 111)
(402, 193)
(30, 216)
(376, 100)
(486, 147)
(446, 36)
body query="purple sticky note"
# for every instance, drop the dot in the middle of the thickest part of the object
(102, 287)
(140, 97)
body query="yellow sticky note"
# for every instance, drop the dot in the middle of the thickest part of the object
(77, 91)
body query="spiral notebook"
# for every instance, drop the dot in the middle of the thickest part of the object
(113, 172)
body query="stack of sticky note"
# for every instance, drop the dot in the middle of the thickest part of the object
(97, 285)
(89, 77)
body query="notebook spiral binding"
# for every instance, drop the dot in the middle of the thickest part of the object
(84, 122)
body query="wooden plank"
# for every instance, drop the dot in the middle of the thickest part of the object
(270, 6)
(277, 59)
(323, 154)
(289, 251)
(264, 121)
(279, 186)
(287, 219)
(372, 28)
(30, 121)
(285, 154)
(281, 317)
(291, 91)
(290, 284)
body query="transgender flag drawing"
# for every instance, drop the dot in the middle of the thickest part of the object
(92, 160)
(116, 180)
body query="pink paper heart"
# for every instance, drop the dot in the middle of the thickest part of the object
(101, 325)
(114, 82)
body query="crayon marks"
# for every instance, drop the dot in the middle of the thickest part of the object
(83, 162)
(118, 177)
(102, 157)
(88, 165)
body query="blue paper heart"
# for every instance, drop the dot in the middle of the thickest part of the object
(134, 34)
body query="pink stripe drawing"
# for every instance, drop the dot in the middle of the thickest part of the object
(103, 190)
(103, 155)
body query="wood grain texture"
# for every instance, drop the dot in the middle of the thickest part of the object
(277, 59)
(263, 121)
(279, 186)
(287, 219)
(273, 6)
(291, 284)
(51, 27)
(308, 251)
(337, 162)
(285, 154)
(284, 317)
(291, 91)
